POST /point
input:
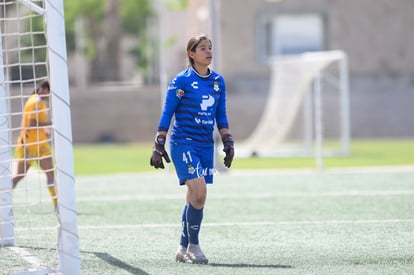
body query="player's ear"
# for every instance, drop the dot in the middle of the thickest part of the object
(191, 54)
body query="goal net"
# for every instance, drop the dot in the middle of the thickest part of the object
(307, 111)
(38, 229)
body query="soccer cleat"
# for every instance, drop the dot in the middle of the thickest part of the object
(196, 255)
(181, 255)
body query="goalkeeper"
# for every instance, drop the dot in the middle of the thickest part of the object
(197, 97)
(32, 143)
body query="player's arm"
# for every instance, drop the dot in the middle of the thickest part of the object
(172, 100)
(223, 126)
(40, 118)
(37, 123)
(228, 146)
(221, 112)
(171, 103)
(37, 113)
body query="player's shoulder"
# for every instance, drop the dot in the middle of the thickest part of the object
(218, 79)
(189, 75)
(33, 99)
(184, 75)
(182, 78)
(216, 76)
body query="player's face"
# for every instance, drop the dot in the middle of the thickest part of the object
(203, 54)
(44, 93)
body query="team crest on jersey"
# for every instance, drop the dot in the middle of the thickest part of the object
(216, 86)
(191, 169)
(179, 93)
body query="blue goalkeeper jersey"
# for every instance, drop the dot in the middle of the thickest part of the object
(198, 102)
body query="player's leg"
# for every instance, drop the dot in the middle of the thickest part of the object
(46, 163)
(21, 170)
(187, 162)
(177, 151)
(23, 163)
(190, 240)
(196, 194)
(181, 254)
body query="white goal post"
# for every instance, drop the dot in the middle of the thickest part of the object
(307, 106)
(33, 48)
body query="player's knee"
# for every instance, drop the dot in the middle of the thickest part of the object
(50, 176)
(16, 180)
(198, 201)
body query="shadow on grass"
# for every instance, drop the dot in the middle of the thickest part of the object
(105, 257)
(119, 264)
(251, 265)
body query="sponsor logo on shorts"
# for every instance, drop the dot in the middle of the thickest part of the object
(205, 172)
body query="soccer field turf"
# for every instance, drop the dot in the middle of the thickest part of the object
(265, 222)
(256, 222)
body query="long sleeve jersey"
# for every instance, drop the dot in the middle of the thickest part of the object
(198, 102)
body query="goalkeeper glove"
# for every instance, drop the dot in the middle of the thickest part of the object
(159, 152)
(228, 143)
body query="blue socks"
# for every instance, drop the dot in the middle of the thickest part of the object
(194, 218)
(184, 234)
(190, 221)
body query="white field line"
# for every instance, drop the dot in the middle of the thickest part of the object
(248, 224)
(150, 197)
(344, 170)
(240, 224)
(25, 255)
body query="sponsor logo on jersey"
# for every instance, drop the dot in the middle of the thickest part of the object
(203, 122)
(179, 93)
(194, 84)
(216, 87)
(207, 101)
(204, 113)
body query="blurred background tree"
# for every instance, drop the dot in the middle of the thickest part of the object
(102, 24)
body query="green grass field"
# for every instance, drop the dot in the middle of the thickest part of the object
(269, 222)
(107, 159)
(260, 218)
(255, 223)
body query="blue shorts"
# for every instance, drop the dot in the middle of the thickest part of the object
(192, 162)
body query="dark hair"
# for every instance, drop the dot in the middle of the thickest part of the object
(192, 45)
(42, 85)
